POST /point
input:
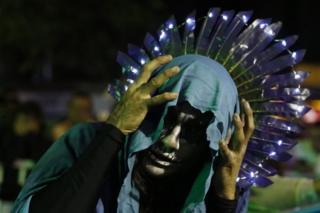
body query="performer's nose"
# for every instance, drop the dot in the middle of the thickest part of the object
(172, 139)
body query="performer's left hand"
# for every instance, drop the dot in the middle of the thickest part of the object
(224, 181)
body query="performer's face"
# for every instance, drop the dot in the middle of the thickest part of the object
(182, 146)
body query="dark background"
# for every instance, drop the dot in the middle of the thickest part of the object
(64, 43)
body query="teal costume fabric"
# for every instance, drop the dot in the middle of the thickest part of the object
(204, 83)
(207, 86)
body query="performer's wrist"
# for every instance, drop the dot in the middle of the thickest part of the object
(228, 193)
(115, 121)
(225, 185)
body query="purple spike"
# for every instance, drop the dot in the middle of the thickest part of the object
(130, 68)
(217, 38)
(259, 167)
(268, 54)
(238, 23)
(243, 182)
(272, 154)
(260, 145)
(138, 54)
(206, 29)
(258, 23)
(250, 174)
(271, 170)
(277, 48)
(164, 39)
(254, 158)
(248, 178)
(281, 125)
(265, 136)
(293, 109)
(291, 79)
(169, 38)
(287, 94)
(188, 36)
(253, 44)
(282, 157)
(152, 45)
(280, 63)
(256, 145)
(232, 31)
(262, 181)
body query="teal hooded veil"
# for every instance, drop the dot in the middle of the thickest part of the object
(207, 86)
(202, 82)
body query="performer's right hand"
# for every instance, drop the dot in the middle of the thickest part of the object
(131, 110)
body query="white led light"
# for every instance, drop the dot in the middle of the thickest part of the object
(142, 61)
(262, 25)
(296, 107)
(279, 142)
(251, 174)
(130, 80)
(134, 70)
(170, 26)
(269, 31)
(296, 76)
(284, 43)
(210, 15)
(244, 46)
(225, 17)
(294, 55)
(162, 34)
(244, 18)
(272, 154)
(190, 21)
(156, 48)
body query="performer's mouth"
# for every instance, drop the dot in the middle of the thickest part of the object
(158, 162)
(162, 159)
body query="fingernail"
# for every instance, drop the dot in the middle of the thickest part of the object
(247, 104)
(176, 69)
(175, 95)
(169, 57)
(236, 116)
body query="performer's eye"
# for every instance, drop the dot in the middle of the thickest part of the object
(182, 140)
(192, 133)
(170, 120)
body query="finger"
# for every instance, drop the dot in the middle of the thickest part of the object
(249, 121)
(243, 118)
(224, 150)
(162, 98)
(157, 81)
(229, 135)
(150, 67)
(239, 133)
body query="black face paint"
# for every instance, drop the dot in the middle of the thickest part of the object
(182, 147)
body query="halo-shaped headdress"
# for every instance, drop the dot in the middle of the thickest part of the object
(260, 65)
